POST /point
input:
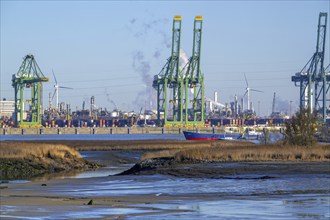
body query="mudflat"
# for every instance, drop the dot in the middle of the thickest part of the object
(72, 196)
(62, 194)
(169, 157)
(226, 169)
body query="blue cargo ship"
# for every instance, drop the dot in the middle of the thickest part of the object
(211, 136)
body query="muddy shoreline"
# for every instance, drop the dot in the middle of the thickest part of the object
(209, 159)
(67, 197)
(203, 168)
(64, 197)
(165, 166)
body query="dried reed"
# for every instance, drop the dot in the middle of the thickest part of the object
(20, 150)
(318, 153)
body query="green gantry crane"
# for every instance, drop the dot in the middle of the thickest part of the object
(174, 101)
(169, 82)
(29, 76)
(194, 80)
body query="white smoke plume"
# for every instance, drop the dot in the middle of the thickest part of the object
(166, 39)
(141, 65)
(109, 99)
(146, 97)
(157, 54)
(282, 105)
(184, 59)
(144, 28)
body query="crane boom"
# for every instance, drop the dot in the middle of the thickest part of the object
(28, 76)
(312, 79)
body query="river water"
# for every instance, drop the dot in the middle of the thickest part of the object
(283, 197)
(297, 196)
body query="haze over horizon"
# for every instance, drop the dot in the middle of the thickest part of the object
(113, 49)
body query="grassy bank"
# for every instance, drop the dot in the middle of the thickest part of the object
(32, 158)
(20, 160)
(234, 158)
(180, 150)
(146, 145)
(241, 152)
(256, 153)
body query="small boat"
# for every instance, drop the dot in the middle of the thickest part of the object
(252, 134)
(211, 136)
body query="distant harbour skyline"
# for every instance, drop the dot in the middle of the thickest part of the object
(112, 49)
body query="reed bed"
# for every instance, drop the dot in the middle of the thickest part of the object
(179, 150)
(244, 151)
(23, 150)
(146, 145)
(24, 160)
(159, 154)
(256, 153)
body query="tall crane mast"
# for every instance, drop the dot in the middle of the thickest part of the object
(29, 76)
(319, 70)
(194, 79)
(313, 75)
(326, 88)
(175, 75)
(170, 79)
(173, 85)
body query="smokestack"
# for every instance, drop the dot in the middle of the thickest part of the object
(274, 100)
(236, 106)
(215, 97)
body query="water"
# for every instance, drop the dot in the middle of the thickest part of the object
(158, 184)
(71, 212)
(295, 196)
(283, 197)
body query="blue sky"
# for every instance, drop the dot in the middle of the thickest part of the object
(112, 49)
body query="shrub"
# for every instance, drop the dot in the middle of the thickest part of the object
(300, 130)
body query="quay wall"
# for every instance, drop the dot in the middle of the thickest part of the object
(121, 130)
(102, 130)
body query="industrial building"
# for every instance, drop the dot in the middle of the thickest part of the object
(7, 108)
(180, 94)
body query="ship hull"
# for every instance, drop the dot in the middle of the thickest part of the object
(210, 136)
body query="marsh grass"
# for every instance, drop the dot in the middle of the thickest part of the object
(244, 151)
(179, 150)
(318, 153)
(24, 160)
(145, 145)
(24, 150)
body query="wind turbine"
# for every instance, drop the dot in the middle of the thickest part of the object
(56, 86)
(248, 89)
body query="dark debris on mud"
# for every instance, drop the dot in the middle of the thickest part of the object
(225, 170)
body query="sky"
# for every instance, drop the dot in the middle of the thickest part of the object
(112, 49)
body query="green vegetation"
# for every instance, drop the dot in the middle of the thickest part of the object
(265, 139)
(300, 130)
(323, 133)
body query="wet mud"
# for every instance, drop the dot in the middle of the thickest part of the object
(204, 169)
